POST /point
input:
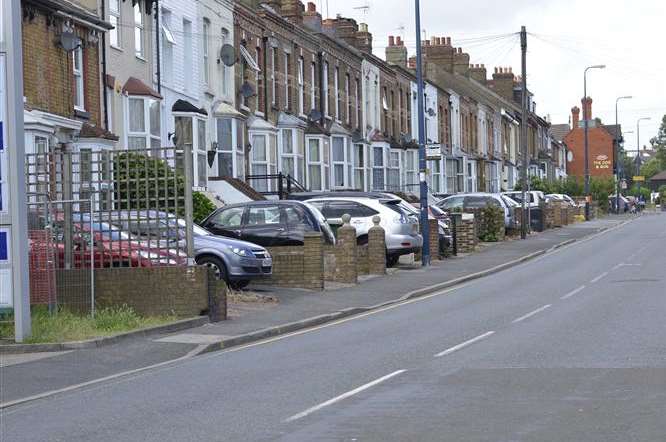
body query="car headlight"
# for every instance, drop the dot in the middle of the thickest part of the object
(240, 251)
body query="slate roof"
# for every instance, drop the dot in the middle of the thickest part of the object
(560, 131)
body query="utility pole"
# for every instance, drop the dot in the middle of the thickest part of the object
(425, 226)
(523, 130)
(14, 285)
(638, 148)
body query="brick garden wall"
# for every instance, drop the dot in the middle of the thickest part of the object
(157, 291)
(298, 266)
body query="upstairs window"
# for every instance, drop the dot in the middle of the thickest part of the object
(325, 80)
(79, 95)
(287, 81)
(114, 20)
(205, 51)
(301, 91)
(139, 49)
(313, 86)
(336, 85)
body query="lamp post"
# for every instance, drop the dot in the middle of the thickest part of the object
(425, 251)
(638, 143)
(617, 155)
(586, 119)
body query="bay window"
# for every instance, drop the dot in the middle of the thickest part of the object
(394, 170)
(191, 135)
(342, 163)
(360, 165)
(264, 158)
(144, 124)
(291, 153)
(454, 176)
(435, 175)
(378, 168)
(230, 148)
(318, 163)
(411, 169)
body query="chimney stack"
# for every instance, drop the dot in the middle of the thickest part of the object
(478, 72)
(311, 18)
(587, 108)
(293, 10)
(503, 81)
(396, 52)
(461, 62)
(363, 38)
(439, 53)
(575, 117)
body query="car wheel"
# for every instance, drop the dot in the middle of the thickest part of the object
(392, 260)
(216, 264)
(239, 285)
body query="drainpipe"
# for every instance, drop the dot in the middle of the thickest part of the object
(158, 71)
(105, 101)
(320, 58)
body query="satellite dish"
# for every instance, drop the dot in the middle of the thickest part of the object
(247, 90)
(431, 112)
(314, 115)
(69, 41)
(228, 55)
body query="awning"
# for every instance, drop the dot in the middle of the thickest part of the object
(249, 59)
(183, 106)
(223, 109)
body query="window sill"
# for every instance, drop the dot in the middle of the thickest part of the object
(81, 113)
(140, 57)
(117, 48)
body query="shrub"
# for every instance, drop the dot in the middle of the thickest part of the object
(202, 206)
(491, 223)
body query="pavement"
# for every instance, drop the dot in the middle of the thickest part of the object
(24, 376)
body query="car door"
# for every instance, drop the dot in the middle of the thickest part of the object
(227, 222)
(266, 225)
(298, 222)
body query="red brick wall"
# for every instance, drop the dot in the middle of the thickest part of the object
(600, 146)
(47, 71)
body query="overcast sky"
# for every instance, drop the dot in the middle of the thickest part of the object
(626, 36)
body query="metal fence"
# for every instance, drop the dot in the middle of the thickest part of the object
(95, 209)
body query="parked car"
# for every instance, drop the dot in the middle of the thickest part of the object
(560, 197)
(234, 261)
(464, 201)
(269, 223)
(534, 197)
(401, 227)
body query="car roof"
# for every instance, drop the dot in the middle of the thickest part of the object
(263, 203)
(354, 199)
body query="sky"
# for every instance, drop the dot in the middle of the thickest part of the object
(563, 38)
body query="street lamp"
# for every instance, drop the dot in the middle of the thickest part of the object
(638, 143)
(617, 155)
(585, 125)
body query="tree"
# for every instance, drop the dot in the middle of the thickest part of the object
(651, 168)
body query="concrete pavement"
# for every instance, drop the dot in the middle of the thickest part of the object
(568, 346)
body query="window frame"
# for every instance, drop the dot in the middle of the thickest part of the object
(301, 86)
(325, 85)
(115, 17)
(205, 53)
(139, 32)
(336, 93)
(360, 170)
(147, 133)
(79, 83)
(346, 163)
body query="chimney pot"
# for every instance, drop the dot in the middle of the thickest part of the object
(391, 40)
(312, 7)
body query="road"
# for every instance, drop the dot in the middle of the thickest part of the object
(568, 347)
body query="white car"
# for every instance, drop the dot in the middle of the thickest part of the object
(401, 227)
(560, 197)
(534, 197)
(480, 200)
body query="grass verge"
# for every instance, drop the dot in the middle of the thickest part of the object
(64, 325)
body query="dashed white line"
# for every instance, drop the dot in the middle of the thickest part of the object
(530, 314)
(618, 266)
(343, 396)
(599, 278)
(464, 344)
(573, 292)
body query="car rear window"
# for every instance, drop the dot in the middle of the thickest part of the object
(479, 202)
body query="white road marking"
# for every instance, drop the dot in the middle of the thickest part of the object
(617, 266)
(573, 292)
(464, 344)
(599, 278)
(343, 396)
(530, 314)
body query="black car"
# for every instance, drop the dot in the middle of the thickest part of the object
(269, 223)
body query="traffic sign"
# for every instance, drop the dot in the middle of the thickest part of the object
(639, 178)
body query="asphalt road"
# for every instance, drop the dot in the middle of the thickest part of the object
(568, 347)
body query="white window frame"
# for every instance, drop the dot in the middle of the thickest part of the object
(168, 43)
(393, 170)
(379, 169)
(347, 99)
(325, 84)
(295, 155)
(270, 162)
(323, 163)
(287, 98)
(301, 90)
(346, 163)
(205, 53)
(313, 86)
(273, 77)
(356, 100)
(151, 140)
(139, 32)
(79, 84)
(235, 149)
(360, 170)
(257, 74)
(187, 49)
(336, 85)
(115, 15)
(411, 169)
(435, 175)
